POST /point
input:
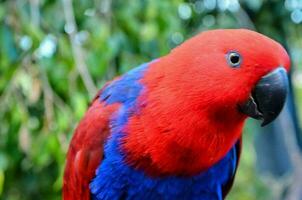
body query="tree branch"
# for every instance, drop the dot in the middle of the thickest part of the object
(78, 55)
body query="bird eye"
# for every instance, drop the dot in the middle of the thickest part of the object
(234, 59)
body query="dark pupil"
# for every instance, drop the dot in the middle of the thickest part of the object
(234, 59)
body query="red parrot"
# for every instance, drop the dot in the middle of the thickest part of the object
(171, 128)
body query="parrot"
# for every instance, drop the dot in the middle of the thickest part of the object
(172, 128)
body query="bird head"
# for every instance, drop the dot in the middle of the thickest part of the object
(237, 70)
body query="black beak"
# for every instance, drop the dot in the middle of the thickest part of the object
(268, 97)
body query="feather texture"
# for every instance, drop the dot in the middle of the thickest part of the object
(171, 128)
(86, 151)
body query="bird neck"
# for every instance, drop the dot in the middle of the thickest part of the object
(173, 133)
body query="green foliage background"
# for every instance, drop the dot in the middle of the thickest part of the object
(54, 54)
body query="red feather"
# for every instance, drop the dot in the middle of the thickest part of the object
(86, 150)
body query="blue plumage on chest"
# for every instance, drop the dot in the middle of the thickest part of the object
(116, 180)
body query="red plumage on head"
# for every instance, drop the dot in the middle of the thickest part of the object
(189, 116)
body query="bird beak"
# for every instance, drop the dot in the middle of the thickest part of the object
(268, 97)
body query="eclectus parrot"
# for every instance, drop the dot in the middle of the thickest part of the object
(171, 128)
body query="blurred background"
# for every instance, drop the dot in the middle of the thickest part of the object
(56, 54)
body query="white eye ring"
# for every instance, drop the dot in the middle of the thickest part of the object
(234, 59)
